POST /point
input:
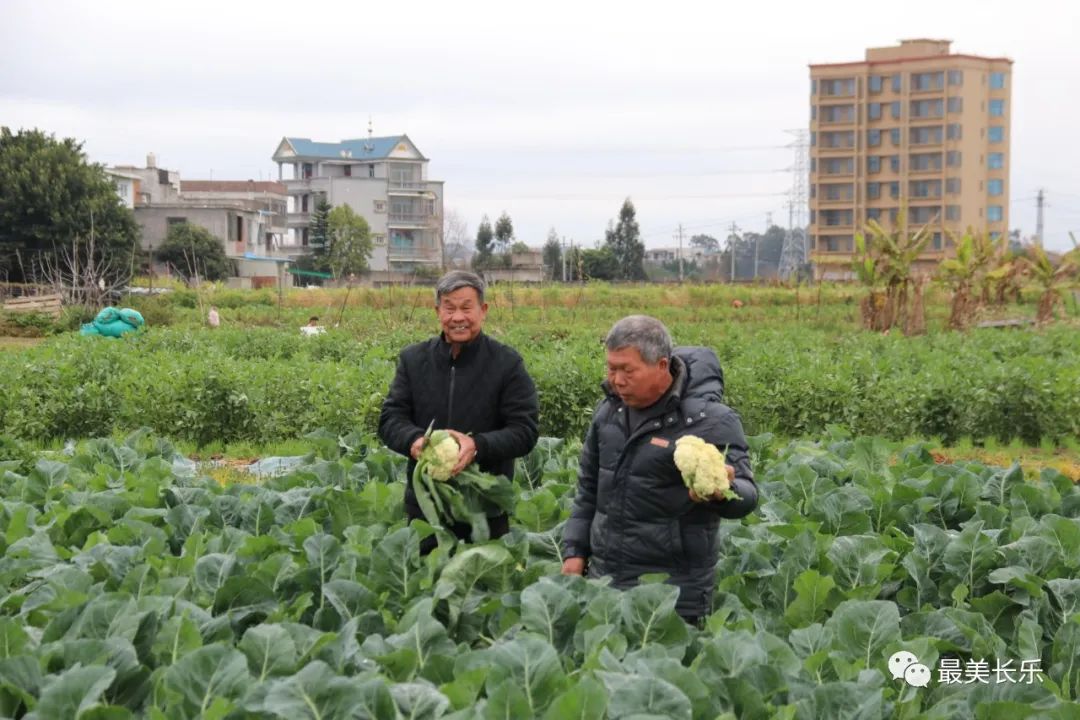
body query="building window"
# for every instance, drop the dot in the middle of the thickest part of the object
(304, 203)
(952, 213)
(997, 134)
(997, 108)
(873, 190)
(380, 206)
(895, 108)
(873, 138)
(873, 213)
(927, 81)
(925, 161)
(995, 213)
(813, 164)
(894, 190)
(896, 82)
(894, 135)
(305, 236)
(371, 170)
(875, 83)
(378, 239)
(894, 163)
(925, 188)
(813, 112)
(873, 164)
(813, 139)
(956, 77)
(348, 171)
(838, 114)
(307, 170)
(953, 158)
(170, 221)
(925, 135)
(837, 166)
(813, 86)
(997, 81)
(873, 111)
(995, 187)
(996, 161)
(952, 186)
(953, 131)
(956, 104)
(927, 108)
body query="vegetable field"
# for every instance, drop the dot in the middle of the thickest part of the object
(134, 585)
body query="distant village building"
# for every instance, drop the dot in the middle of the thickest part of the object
(246, 215)
(667, 254)
(383, 179)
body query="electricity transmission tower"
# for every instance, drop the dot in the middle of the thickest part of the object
(794, 253)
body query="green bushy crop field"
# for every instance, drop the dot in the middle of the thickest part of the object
(136, 582)
(134, 585)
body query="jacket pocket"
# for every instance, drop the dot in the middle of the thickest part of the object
(699, 543)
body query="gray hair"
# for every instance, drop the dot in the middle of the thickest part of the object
(457, 279)
(646, 334)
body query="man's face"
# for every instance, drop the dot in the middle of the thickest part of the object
(637, 382)
(461, 315)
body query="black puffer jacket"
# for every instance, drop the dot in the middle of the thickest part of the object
(485, 391)
(632, 514)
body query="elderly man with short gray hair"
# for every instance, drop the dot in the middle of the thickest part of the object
(467, 383)
(633, 514)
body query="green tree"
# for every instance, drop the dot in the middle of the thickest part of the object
(600, 264)
(350, 242)
(51, 198)
(624, 241)
(195, 252)
(553, 255)
(484, 240)
(504, 232)
(706, 242)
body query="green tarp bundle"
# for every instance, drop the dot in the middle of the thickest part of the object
(114, 322)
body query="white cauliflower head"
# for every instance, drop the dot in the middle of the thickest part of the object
(702, 465)
(440, 455)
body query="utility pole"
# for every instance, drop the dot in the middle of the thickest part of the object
(732, 237)
(563, 246)
(680, 237)
(1040, 204)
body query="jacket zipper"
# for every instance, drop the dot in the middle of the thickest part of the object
(450, 401)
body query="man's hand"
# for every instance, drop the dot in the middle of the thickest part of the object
(573, 566)
(719, 496)
(417, 447)
(466, 452)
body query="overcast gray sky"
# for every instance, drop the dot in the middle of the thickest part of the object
(552, 111)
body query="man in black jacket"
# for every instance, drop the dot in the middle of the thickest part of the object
(468, 384)
(633, 514)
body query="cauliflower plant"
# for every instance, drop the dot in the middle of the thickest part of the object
(703, 467)
(439, 455)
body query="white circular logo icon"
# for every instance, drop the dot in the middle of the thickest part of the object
(917, 675)
(900, 661)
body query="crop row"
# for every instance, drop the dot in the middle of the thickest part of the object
(263, 384)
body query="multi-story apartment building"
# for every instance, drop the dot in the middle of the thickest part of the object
(383, 179)
(912, 128)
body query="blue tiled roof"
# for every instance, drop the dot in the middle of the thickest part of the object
(360, 148)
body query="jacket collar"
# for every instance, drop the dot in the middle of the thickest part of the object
(468, 350)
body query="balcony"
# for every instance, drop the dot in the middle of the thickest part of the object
(416, 253)
(298, 219)
(407, 187)
(421, 220)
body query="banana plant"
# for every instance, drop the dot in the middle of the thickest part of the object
(1050, 278)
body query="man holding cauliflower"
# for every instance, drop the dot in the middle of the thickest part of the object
(474, 391)
(664, 460)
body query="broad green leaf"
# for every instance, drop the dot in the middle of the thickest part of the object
(551, 611)
(72, 693)
(585, 700)
(812, 599)
(205, 674)
(317, 693)
(419, 701)
(648, 615)
(270, 651)
(532, 665)
(643, 695)
(862, 629)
